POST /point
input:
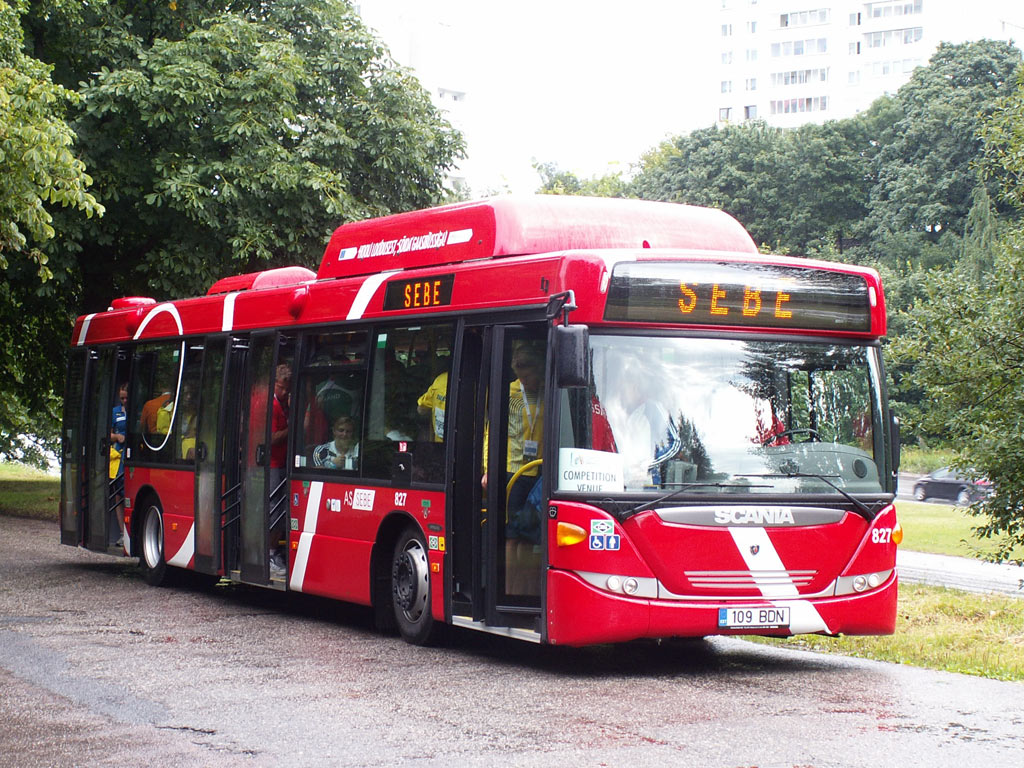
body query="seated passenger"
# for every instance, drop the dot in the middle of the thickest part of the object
(343, 451)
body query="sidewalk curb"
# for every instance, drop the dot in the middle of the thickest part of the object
(960, 573)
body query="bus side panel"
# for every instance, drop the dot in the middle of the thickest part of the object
(174, 488)
(334, 530)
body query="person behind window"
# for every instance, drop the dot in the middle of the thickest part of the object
(343, 451)
(118, 429)
(525, 445)
(431, 403)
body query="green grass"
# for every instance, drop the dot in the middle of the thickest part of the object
(942, 529)
(921, 461)
(28, 492)
(942, 629)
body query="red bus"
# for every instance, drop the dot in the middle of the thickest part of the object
(560, 419)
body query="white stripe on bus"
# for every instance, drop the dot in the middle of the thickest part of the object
(298, 576)
(366, 291)
(85, 328)
(758, 552)
(227, 321)
(183, 556)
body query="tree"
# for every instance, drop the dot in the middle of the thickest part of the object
(925, 172)
(235, 135)
(38, 172)
(965, 339)
(223, 136)
(555, 181)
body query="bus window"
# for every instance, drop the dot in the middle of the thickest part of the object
(330, 387)
(407, 403)
(154, 399)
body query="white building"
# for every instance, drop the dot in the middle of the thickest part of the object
(791, 62)
(423, 35)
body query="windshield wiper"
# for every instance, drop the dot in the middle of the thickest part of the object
(688, 487)
(862, 509)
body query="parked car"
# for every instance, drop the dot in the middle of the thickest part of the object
(952, 485)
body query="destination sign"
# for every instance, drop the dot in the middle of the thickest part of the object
(747, 294)
(422, 293)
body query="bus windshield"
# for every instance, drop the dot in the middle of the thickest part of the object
(723, 416)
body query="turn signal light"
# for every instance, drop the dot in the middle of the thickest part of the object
(897, 534)
(567, 534)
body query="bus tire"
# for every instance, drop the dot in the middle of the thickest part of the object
(151, 545)
(410, 588)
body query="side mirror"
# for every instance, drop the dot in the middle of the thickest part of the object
(572, 356)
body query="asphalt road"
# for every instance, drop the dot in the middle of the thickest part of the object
(96, 668)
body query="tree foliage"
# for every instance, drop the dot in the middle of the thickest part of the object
(222, 136)
(964, 344)
(39, 173)
(235, 135)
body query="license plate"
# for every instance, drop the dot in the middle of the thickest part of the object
(757, 617)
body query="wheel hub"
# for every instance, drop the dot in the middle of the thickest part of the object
(410, 580)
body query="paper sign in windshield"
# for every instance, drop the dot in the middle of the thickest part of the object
(584, 471)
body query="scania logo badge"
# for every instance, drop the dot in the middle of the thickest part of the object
(755, 548)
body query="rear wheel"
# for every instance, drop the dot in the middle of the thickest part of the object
(410, 588)
(151, 556)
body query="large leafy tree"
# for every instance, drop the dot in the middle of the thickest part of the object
(797, 191)
(925, 172)
(222, 136)
(965, 338)
(39, 173)
(232, 134)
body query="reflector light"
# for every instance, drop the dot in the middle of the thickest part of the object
(897, 534)
(567, 534)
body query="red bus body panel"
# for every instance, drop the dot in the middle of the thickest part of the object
(513, 253)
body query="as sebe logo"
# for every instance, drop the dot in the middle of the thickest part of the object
(754, 516)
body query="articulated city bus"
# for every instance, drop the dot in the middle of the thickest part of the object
(564, 420)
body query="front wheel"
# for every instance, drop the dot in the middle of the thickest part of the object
(151, 558)
(919, 493)
(410, 588)
(963, 499)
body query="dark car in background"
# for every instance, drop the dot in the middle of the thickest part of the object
(952, 485)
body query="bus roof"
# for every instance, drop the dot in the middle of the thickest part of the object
(521, 225)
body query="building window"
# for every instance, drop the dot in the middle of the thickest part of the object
(855, 19)
(751, 84)
(751, 27)
(804, 18)
(723, 114)
(727, 57)
(750, 112)
(795, 106)
(726, 30)
(727, 86)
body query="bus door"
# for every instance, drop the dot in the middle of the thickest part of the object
(508, 572)
(260, 390)
(212, 492)
(91, 520)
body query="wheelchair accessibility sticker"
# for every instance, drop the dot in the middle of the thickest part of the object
(602, 535)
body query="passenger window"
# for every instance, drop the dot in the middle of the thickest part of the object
(164, 401)
(330, 387)
(407, 408)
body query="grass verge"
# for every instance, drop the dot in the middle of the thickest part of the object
(942, 529)
(942, 629)
(28, 492)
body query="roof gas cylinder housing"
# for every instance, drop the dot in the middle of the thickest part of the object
(517, 226)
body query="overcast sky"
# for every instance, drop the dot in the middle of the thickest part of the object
(580, 83)
(584, 84)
